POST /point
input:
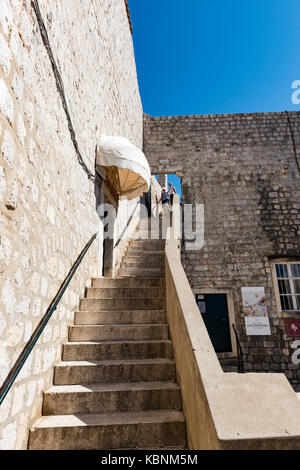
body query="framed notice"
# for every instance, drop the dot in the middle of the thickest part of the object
(257, 326)
(255, 309)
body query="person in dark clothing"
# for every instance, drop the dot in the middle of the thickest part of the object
(164, 198)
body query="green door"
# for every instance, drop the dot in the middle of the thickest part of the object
(214, 311)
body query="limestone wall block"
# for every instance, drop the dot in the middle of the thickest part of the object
(6, 102)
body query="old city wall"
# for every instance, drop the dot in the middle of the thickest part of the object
(47, 203)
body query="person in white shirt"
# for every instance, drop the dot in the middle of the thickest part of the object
(171, 192)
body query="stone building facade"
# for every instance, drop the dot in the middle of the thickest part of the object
(242, 167)
(47, 202)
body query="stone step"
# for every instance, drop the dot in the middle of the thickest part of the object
(136, 251)
(124, 292)
(123, 317)
(142, 265)
(118, 332)
(169, 448)
(145, 258)
(148, 429)
(147, 244)
(150, 272)
(99, 305)
(112, 350)
(150, 235)
(128, 282)
(105, 398)
(114, 371)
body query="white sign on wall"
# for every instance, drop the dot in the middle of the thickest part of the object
(255, 309)
(257, 326)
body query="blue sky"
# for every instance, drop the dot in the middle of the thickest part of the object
(222, 56)
(176, 181)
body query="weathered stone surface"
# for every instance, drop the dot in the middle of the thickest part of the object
(128, 282)
(93, 305)
(242, 168)
(114, 431)
(114, 371)
(118, 332)
(145, 349)
(127, 293)
(47, 204)
(99, 398)
(123, 317)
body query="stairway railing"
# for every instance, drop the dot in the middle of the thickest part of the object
(8, 382)
(240, 353)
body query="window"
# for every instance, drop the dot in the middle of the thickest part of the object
(288, 278)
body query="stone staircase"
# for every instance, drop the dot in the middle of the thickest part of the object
(115, 387)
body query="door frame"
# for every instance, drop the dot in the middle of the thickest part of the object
(231, 315)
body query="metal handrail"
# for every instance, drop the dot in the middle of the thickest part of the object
(241, 368)
(8, 382)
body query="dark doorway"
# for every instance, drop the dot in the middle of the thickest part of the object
(214, 311)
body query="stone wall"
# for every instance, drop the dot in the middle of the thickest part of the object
(156, 189)
(47, 203)
(242, 168)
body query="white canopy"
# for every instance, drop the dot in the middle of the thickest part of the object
(133, 168)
